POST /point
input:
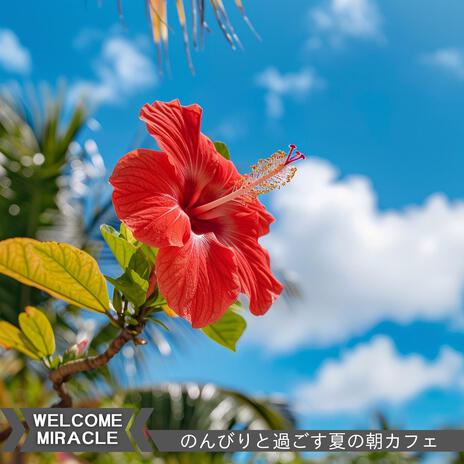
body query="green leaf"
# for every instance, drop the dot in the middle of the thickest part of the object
(228, 330)
(132, 320)
(127, 234)
(119, 246)
(149, 252)
(222, 149)
(140, 264)
(156, 301)
(26, 120)
(37, 328)
(55, 362)
(59, 269)
(117, 301)
(160, 323)
(134, 282)
(132, 286)
(12, 337)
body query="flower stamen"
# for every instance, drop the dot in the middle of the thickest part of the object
(266, 175)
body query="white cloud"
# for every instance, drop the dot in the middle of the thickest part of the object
(448, 59)
(358, 265)
(296, 85)
(338, 20)
(373, 374)
(13, 56)
(122, 69)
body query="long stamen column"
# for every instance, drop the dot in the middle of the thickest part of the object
(266, 175)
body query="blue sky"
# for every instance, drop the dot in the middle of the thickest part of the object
(373, 226)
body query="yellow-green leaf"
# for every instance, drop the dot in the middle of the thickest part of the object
(149, 252)
(61, 270)
(228, 330)
(127, 234)
(11, 337)
(122, 249)
(37, 328)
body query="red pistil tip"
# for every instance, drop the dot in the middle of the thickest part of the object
(292, 157)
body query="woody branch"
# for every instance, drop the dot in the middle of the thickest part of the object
(62, 374)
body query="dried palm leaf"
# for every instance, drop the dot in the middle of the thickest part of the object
(158, 14)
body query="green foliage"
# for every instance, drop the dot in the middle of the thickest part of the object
(191, 406)
(35, 337)
(36, 147)
(149, 252)
(133, 283)
(228, 330)
(205, 407)
(117, 301)
(35, 137)
(59, 269)
(12, 337)
(122, 249)
(26, 131)
(37, 328)
(127, 234)
(222, 149)
(136, 260)
(132, 286)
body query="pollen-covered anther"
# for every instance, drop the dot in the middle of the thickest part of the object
(266, 175)
(270, 173)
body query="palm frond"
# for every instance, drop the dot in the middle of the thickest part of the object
(199, 407)
(206, 407)
(158, 13)
(35, 136)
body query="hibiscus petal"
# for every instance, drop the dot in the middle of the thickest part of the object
(147, 197)
(265, 219)
(223, 219)
(256, 279)
(223, 181)
(176, 129)
(198, 280)
(226, 173)
(239, 231)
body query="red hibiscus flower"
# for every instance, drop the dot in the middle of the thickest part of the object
(192, 204)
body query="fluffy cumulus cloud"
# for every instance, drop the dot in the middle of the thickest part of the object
(351, 384)
(122, 69)
(450, 60)
(337, 20)
(14, 57)
(296, 85)
(357, 265)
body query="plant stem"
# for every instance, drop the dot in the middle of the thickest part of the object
(64, 372)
